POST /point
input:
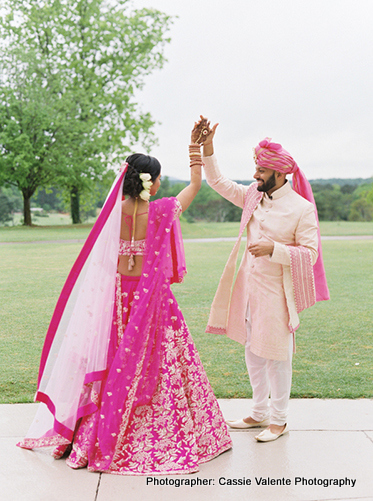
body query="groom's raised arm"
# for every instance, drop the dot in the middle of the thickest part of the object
(228, 189)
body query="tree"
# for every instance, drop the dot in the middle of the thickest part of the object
(362, 207)
(84, 60)
(49, 199)
(361, 210)
(10, 202)
(333, 202)
(6, 208)
(27, 129)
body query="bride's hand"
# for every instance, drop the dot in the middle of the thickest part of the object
(201, 131)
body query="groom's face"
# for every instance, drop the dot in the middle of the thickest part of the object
(266, 178)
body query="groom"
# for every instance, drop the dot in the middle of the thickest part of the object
(281, 273)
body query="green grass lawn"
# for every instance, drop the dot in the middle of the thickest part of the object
(334, 344)
(337, 228)
(48, 219)
(190, 230)
(42, 233)
(334, 356)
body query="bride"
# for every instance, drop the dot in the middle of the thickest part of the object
(122, 387)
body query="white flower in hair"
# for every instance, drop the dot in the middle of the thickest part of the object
(146, 184)
(145, 195)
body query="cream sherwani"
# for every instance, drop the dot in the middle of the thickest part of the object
(260, 309)
(265, 283)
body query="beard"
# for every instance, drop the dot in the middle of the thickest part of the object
(267, 185)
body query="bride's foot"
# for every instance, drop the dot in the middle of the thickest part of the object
(61, 450)
(76, 460)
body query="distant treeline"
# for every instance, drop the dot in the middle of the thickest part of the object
(51, 200)
(336, 200)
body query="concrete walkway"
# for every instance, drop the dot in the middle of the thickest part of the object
(328, 455)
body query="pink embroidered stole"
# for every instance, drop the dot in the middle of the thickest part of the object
(302, 277)
(218, 318)
(301, 273)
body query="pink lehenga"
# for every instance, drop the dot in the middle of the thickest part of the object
(120, 378)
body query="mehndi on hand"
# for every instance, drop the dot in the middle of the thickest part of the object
(201, 131)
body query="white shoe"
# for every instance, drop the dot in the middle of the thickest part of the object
(268, 436)
(240, 423)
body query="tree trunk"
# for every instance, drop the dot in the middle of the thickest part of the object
(74, 204)
(26, 210)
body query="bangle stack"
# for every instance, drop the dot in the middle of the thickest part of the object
(195, 155)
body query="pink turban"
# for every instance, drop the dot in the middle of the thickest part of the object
(274, 156)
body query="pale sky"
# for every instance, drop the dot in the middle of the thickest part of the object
(298, 71)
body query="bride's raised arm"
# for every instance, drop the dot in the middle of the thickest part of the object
(200, 133)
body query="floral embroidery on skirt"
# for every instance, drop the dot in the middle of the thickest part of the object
(131, 395)
(181, 427)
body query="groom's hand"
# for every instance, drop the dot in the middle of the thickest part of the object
(259, 249)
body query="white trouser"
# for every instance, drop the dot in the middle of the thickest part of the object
(269, 377)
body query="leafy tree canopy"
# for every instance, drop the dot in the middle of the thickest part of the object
(70, 70)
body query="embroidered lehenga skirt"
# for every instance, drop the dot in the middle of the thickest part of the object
(180, 427)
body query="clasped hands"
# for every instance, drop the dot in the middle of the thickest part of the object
(259, 249)
(202, 131)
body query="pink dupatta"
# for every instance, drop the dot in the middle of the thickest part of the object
(74, 355)
(133, 374)
(74, 358)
